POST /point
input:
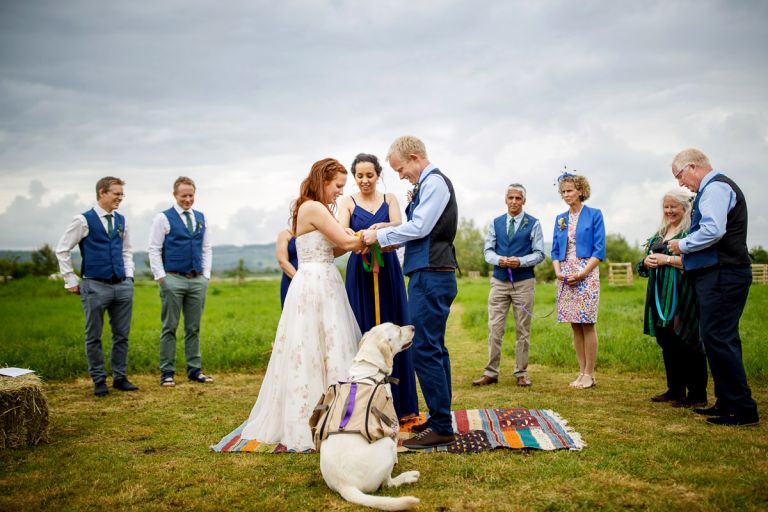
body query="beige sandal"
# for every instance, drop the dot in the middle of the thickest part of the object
(575, 383)
(584, 385)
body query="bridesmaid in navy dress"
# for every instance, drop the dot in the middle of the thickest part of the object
(372, 209)
(285, 250)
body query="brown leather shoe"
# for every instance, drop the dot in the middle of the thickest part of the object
(421, 427)
(428, 439)
(485, 380)
(523, 382)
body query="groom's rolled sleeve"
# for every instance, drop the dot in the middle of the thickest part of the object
(434, 197)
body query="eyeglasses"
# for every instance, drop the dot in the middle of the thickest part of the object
(680, 171)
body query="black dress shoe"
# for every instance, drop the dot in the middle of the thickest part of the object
(690, 402)
(123, 385)
(715, 410)
(667, 396)
(429, 439)
(100, 388)
(735, 421)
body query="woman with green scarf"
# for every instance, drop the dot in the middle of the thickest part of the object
(671, 311)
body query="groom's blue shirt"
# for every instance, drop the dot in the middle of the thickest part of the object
(434, 196)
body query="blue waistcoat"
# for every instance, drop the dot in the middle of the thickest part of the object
(436, 249)
(182, 250)
(731, 249)
(102, 254)
(520, 245)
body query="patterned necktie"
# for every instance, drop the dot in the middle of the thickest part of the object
(109, 224)
(189, 221)
(415, 190)
(511, 229)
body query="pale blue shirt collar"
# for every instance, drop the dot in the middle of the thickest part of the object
(428, 169)
(518, 217)
(707, 178)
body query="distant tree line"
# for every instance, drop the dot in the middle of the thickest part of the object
(43, 263)
(469, 252)
(470, 240)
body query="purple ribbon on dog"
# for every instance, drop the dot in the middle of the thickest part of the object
(350, 406)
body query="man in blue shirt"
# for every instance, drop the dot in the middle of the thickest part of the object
(715, 256)
(430, 263)
(514, 245)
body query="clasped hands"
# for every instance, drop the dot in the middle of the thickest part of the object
(656, 259)
(509, 262)
(572, 279)
(368, 236)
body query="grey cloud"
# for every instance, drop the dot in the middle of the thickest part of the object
(219, 91)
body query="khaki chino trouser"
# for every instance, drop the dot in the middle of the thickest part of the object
(504, 294)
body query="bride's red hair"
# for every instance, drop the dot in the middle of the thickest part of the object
(311, 188)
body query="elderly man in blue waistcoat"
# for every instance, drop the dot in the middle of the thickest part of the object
(180, 256)
(715, 256)
(514, 245)
(430, 263)
(107, 281)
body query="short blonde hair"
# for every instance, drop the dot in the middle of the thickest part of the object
(407, 145)
(691, 156)
(579, 182)
(183, 180)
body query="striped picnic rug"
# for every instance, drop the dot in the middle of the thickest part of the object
(476, 430)
(479, 430)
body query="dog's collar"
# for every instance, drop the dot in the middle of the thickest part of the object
(385, 379)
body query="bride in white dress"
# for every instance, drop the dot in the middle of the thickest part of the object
(317, 335)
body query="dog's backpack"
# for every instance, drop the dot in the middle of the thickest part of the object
(363, 407)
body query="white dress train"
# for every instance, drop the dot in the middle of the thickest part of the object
(315, 342)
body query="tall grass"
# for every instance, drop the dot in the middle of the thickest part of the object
(622, 344)
(41, 327)
(149, 450)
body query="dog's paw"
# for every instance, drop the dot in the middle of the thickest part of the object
(407, 477)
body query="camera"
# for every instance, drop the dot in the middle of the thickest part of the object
(659, 246)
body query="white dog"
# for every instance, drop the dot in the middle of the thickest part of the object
(350, 465)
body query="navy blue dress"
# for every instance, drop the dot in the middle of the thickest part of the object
(294, 259)
(393, 305)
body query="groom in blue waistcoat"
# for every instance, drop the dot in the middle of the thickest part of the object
(180, 256)
(514, 245)
(107, 281)
(716, 258)
(430, 263)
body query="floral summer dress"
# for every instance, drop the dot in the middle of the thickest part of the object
(577, 304)
(315, 343)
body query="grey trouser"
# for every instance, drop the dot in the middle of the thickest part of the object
(504, 294)
(178, 295)
(117, 301)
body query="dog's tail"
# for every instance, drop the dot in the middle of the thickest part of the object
(355, 495)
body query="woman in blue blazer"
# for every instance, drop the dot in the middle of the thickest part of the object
(578, 246)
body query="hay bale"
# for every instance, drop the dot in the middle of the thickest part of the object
(23, 411)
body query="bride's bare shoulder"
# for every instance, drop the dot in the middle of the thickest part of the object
(311, 206)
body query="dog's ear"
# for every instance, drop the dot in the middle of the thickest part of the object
(386, 352)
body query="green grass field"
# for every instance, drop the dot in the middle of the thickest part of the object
(149, 450)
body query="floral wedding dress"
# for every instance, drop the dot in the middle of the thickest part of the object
(315, 343)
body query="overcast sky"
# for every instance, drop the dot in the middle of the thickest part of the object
(243, 96)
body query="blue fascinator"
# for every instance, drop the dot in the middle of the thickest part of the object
(564, 175)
